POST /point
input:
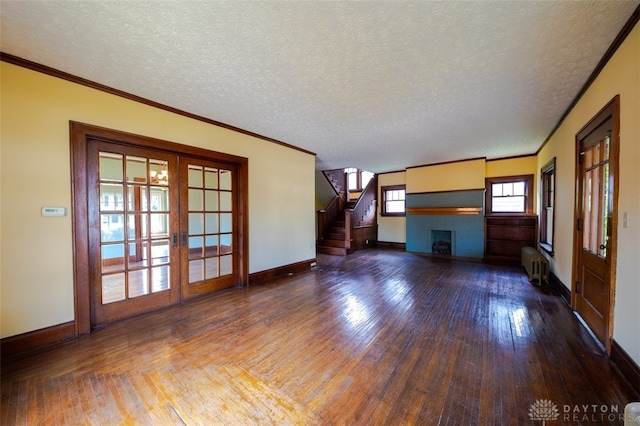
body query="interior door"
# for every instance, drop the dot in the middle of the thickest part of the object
(595, 236)
(209, 218)
(133, 224)
(154, 222)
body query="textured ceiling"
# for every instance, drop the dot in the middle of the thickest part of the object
(377, 85)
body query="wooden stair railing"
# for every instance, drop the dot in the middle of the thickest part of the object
(364, 211)
(329, 215)
(362, 231)
(345, 227)
(338, 181)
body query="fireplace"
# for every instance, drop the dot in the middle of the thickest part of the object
(460, 213)
(442, 242)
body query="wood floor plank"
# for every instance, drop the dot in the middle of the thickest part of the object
(377, 337)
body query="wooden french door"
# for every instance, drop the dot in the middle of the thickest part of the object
(209, 218)
(155, 223)
(595, 237)
(133, 217)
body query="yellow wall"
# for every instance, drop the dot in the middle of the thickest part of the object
(36, 278)
(391, 229)
(512, 166)
(516, 166)
(446, 177)
(620, 76)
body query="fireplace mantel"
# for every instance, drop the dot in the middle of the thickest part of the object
(445, 211)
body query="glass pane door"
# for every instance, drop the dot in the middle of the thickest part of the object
(134, 231)
(210, 224)
(596, 201)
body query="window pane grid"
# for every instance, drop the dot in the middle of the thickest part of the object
(393, 200)
(210, 208)
(508, 197)
(134, 226)
(547, 199)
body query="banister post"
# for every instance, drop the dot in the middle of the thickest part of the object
(347, 228)
(321, 217)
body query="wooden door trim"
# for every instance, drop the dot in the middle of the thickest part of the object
(79, 135)
(611, 110)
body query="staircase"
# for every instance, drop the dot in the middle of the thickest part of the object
(344, 227)
(334, 241)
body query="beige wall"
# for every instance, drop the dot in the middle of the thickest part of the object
(512, 166)
(516, 166)
(391, 229)
(36, 278)
(620, 76)
(456, 176)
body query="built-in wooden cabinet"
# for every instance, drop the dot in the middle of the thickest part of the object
(505, 235)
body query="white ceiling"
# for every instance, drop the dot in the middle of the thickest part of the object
(377, 85)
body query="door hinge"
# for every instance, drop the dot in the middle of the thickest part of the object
(579, 224)
(577, 286)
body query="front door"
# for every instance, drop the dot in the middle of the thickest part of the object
(595, 237)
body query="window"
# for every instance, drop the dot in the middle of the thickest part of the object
(511, 194)
(393, 200)
(357, 179)
(547, 203)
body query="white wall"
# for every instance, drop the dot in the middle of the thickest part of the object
(36, 274)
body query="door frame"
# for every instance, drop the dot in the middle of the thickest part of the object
(79, 135)
(611, 110)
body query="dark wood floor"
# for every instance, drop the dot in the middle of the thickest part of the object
(378, 337)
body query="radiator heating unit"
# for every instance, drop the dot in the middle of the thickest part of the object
(535, 264)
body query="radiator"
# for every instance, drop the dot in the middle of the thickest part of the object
(536, 265)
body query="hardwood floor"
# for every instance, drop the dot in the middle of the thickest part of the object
(377, 337)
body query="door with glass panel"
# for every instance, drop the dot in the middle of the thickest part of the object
(208, 220)
(133, 230)
(595, 238)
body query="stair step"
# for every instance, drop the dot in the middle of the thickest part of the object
(337, 230)
(333, 243)
(335, 236)
(336, 251)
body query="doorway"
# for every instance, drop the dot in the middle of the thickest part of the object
(155, 223)
(595, 238)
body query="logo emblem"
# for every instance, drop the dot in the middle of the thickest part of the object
(543, 409)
